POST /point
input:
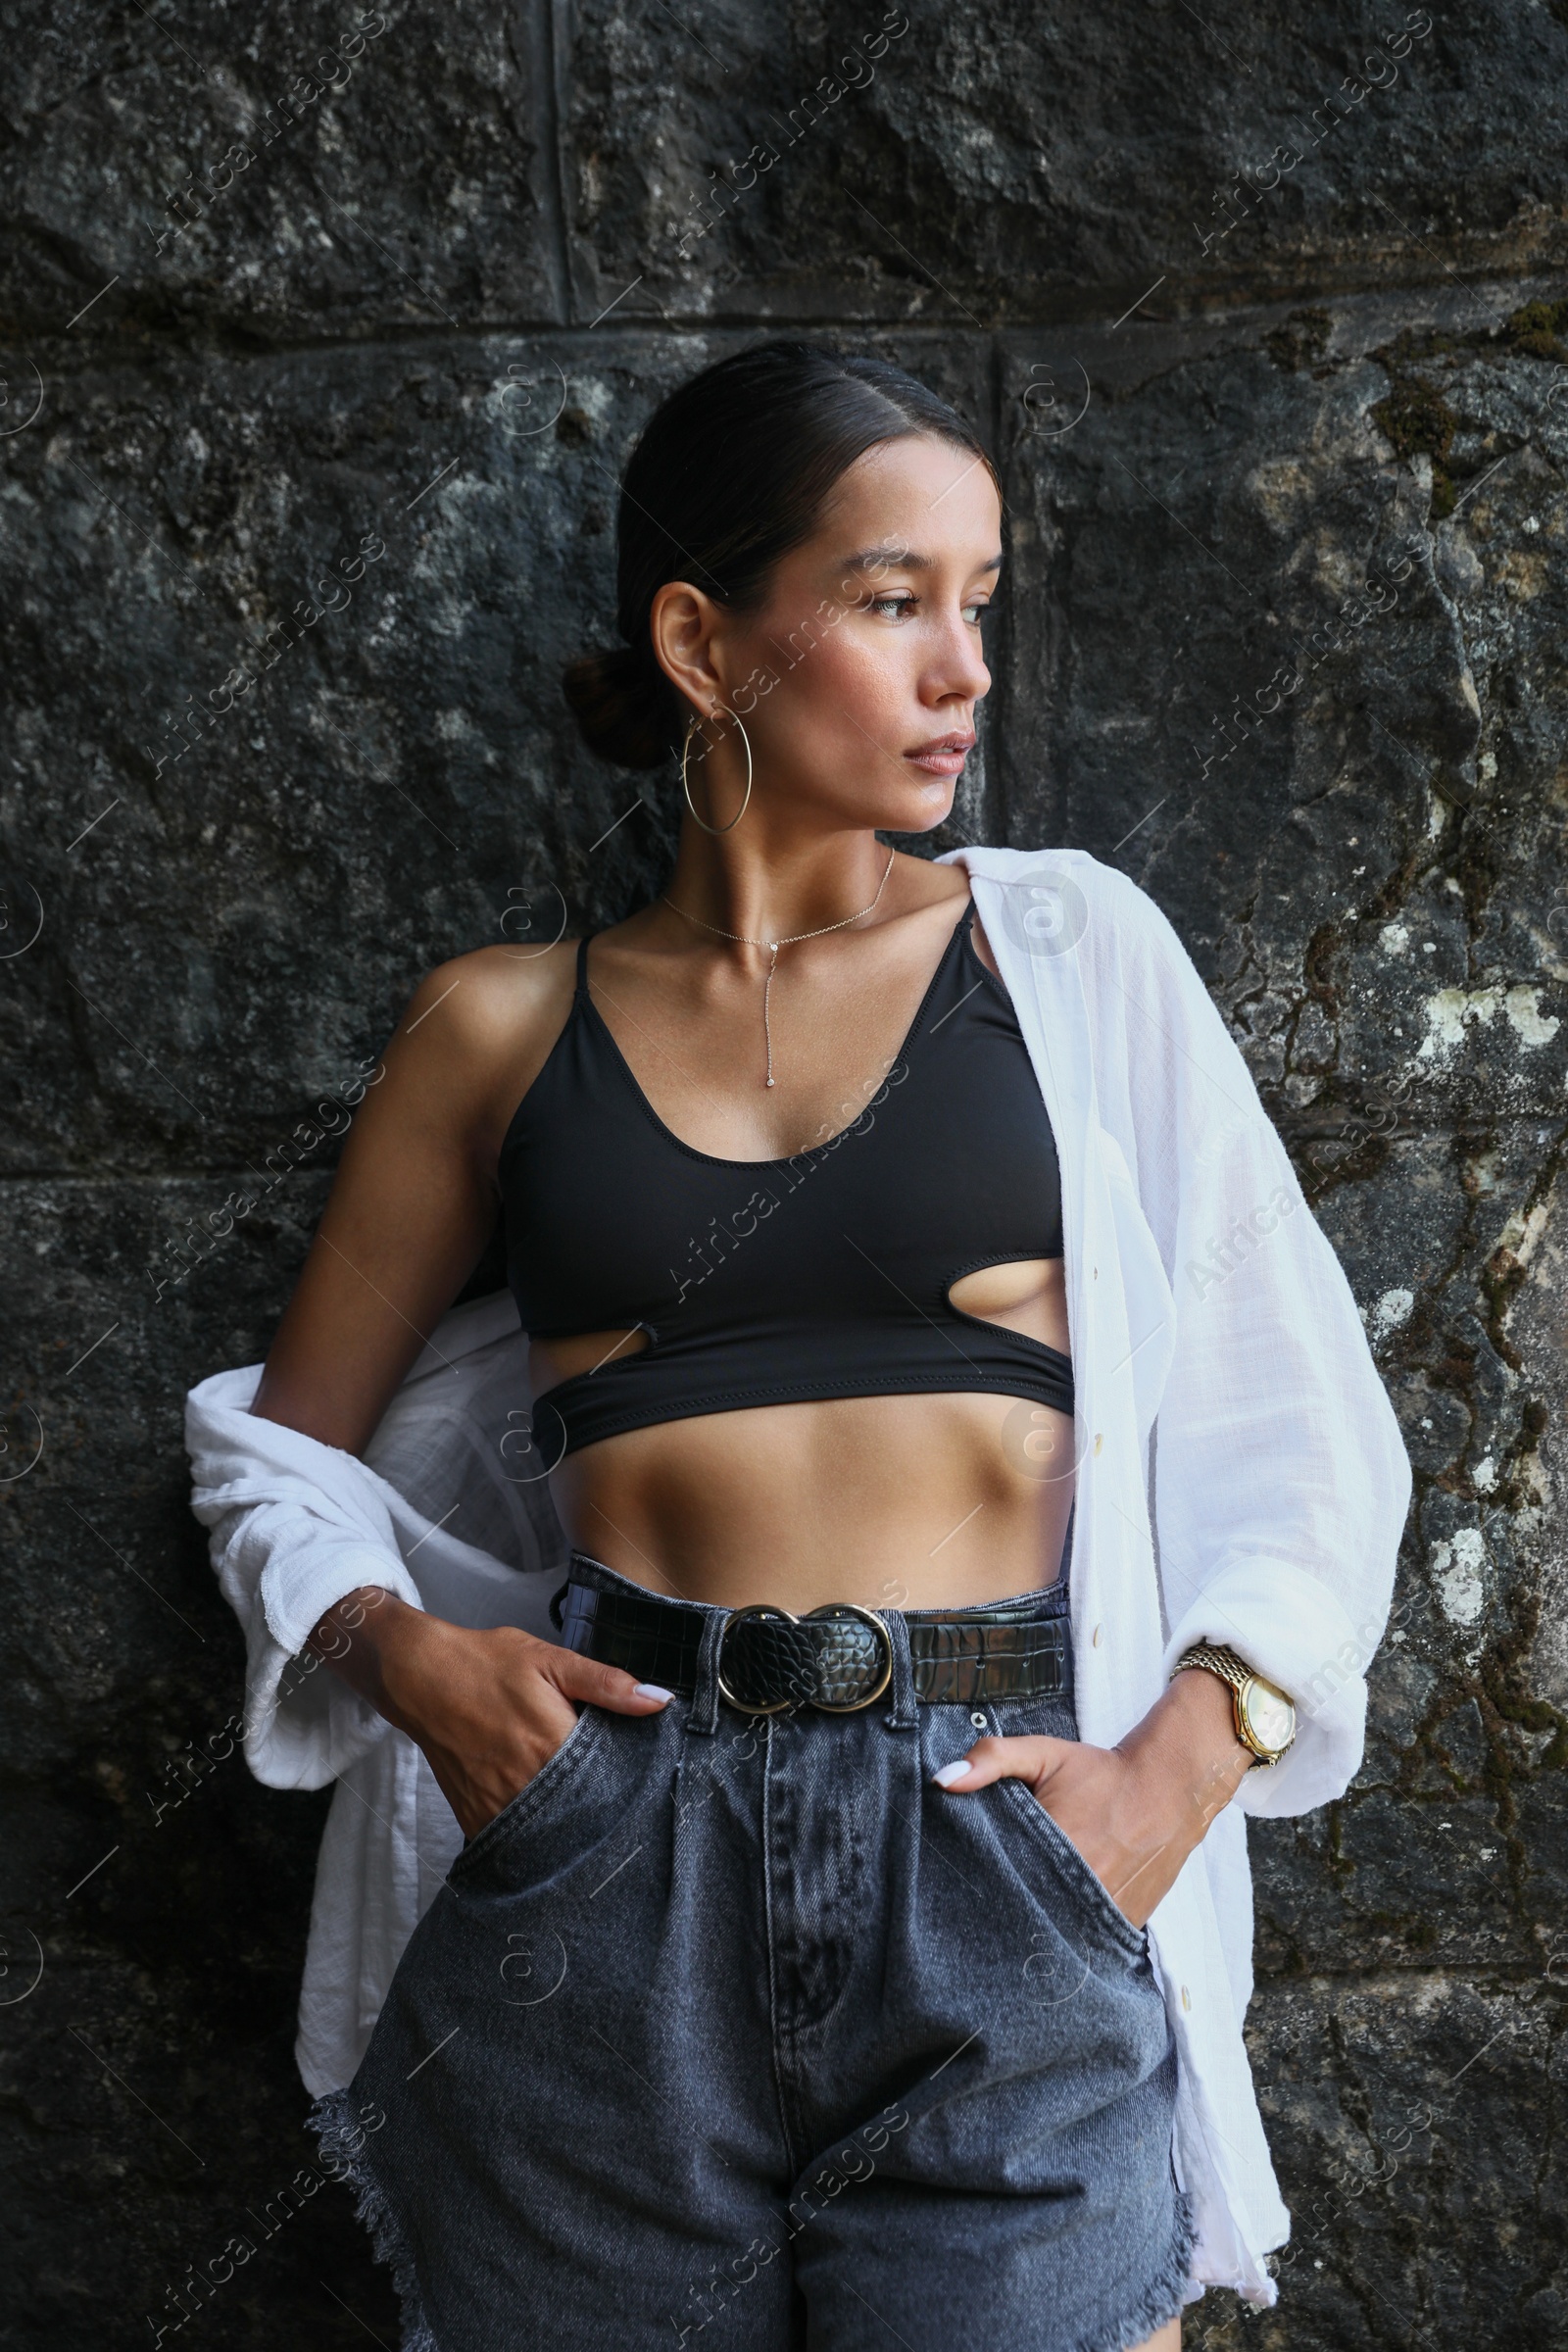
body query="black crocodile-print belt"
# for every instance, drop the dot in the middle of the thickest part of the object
(838, 1657)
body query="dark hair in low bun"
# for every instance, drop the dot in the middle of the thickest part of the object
(625, 707)
(728, 474)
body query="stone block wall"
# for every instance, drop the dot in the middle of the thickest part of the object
(327, 332)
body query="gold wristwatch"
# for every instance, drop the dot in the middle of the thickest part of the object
(1265, 1719)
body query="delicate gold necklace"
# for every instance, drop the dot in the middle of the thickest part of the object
(774, 945)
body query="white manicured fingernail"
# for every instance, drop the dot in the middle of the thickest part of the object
(950, 1773)
(653, 1691)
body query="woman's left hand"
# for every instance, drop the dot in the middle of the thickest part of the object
(1135, 1811)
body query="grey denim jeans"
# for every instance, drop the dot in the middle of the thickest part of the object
(738, 2033)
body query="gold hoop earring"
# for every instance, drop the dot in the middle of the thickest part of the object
(692, 725)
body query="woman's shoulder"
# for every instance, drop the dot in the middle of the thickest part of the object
(988, 863)
(495, 996)
(481, 1025)
(1090, 891)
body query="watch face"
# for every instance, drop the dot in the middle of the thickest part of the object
(1269, 1715)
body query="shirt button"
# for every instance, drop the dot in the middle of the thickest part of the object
(1187, 1998)
(1099, 1439)
(1098, 1635)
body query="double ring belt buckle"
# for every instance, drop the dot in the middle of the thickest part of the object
(800, 1659)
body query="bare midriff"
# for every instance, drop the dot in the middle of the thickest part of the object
(941, 1500)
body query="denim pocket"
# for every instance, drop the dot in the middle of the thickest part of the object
(1057, 1718)
(537, 1800)
(1091, 1890)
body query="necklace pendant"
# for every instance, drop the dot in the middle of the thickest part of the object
(767, 1082)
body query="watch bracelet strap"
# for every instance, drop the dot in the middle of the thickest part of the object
(1215, 1659)
(1223, 1662)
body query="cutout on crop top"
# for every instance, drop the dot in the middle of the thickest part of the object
(578, 1352)
(828, 1273)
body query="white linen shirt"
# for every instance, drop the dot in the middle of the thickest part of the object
(1241, 1480)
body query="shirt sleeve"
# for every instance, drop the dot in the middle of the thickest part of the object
(1280, 1478)
(293, 1526)
(281, 1568)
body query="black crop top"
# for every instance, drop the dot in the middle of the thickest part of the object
(763, 1282)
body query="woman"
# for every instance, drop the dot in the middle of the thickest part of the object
(845, 1193)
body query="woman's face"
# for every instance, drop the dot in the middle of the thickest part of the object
(858, 678)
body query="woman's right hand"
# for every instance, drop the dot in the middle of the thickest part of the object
(488, 1707)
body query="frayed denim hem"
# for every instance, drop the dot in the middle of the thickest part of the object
(1167, 2295)
(333, 2120)
(341, 2136)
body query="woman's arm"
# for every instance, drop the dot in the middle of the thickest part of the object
(488, 1708)
(414, 1201)
(1282, 1480)
(412, 1207)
